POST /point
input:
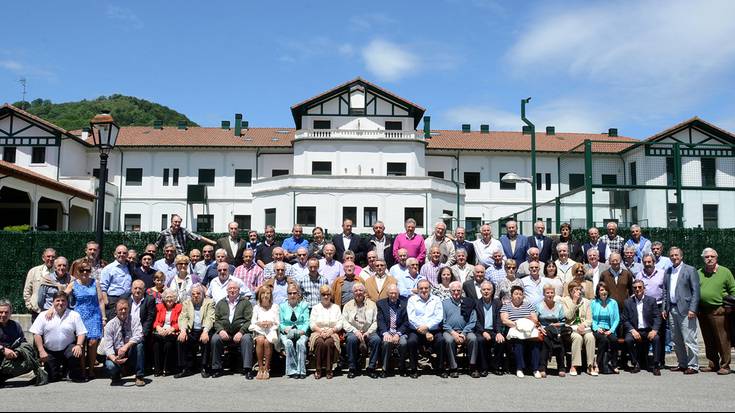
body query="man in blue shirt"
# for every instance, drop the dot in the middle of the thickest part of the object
(459, 326)
(293, 243)
(491, 342)
(116, 280)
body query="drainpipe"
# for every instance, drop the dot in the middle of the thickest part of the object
(257, 156)
(68, 214)
(533, 158)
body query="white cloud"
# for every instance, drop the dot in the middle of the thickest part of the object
(370, 21)
(319, 47)
(389, 61)
(12, 65)
(124, 16)
(22, 69)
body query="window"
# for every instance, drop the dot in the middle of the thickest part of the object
(393, 125)
(576, 181)
(472, 180)
(176, 177)
(633, 173)
(549, 224)
(609, 179)
(205, 223)
(108, 221)
(134, 176)
(322, 124)
(38, 155)
(548, 182)
(164, 221)
(436, 174)
(505, 185)
(165, 176)
(540, 182)
(417, 214)
(370, 216)
(132, 222)
(710, 216)
(9, 154)
(396, 169)
(350, 213)
(709, 172)
(279, 172)
(270, 217)
(669, 171)
(449, 221)
(472, 227)
(243, 221)
(306, 216)
(321, 168)
(206, 177)
(243, 177)
(671, 210)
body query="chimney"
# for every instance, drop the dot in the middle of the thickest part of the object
(157, 124)
(427, 127)
(85, 133)
(238, 124)
(484, 128)
(226, 124)
(181, 125)
(612, 132)
(466, 128)
(550, 131)
(245, 124)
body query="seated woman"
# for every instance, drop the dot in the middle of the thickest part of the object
(518, 316)
(441, 287)
(578, 276)
(159, 286)
(264, 326)
(325, 323)
(165, 333)
(605, 320)
(579, 318)
(294, 324)
(502, 290)
(552, 318)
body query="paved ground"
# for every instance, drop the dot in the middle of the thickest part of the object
(625, 392)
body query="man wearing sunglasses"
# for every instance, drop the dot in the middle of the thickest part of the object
(642, 323)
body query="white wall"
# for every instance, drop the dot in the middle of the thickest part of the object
(368, 158)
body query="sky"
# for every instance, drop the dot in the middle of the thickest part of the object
(639, 66)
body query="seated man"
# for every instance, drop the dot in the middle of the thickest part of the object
(642, 332)
(196, 322)
(425, 315)
(121, 344)
(232, 317)
(360, 323)
(59, 340)
(459, 325)
(491, 342)
(17, 357)
(393, 328)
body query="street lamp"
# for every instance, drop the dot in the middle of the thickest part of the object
(532, 128)
(513, 178)
(104, 134)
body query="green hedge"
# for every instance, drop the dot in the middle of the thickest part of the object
(21, 251)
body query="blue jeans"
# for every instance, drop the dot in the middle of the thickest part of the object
(373, 342)
(134, 359)
(295, 354)
(519, 348)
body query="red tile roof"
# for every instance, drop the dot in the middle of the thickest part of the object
(518, 142)
(142, 136)
(10, 169)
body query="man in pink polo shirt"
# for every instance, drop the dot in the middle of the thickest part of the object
(411, 241)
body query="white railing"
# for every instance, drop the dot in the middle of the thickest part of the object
(356, 134)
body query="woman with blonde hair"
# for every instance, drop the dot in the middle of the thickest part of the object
(578, 275)
(325, 323)
(579, 318)
(264, 326)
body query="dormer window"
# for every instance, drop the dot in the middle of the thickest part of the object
(357, 101)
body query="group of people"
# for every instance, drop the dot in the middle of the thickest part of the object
(371, 306)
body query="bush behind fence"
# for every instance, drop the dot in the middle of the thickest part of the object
(21, 251)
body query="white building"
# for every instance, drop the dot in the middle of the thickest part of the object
(357, 151)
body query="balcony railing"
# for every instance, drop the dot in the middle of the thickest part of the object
(356, 134)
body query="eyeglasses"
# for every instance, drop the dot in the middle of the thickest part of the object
(638, 287)
(293, 293)
(85, 270)
(326, 295)
(510, 268)
(180, 263)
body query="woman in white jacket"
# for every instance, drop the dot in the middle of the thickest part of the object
(264, 326)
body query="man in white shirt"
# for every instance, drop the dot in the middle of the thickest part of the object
(462, 270)
(400, 268)
(301, 267)
(445, 244)
(59, 340)
(425, 315)
(218, 286)
(485, 245)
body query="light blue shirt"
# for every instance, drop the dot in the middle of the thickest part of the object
(429, 313)
(495, 275)
(406, 283)
(280, 294)
(488, 308)
(397, 271)
(453, 320)
(533, 292)
(330, 271)
(169, 270)
(291, 245)
(116, 280)
(664, 263)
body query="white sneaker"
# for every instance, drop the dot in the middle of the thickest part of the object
(537, 374)
(520, 374)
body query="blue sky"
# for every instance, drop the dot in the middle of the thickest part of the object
(640, 66)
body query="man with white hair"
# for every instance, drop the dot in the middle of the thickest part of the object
(461, 243)
(445, 244)
(533, 256)
(459, 325)
(486, 245)
(412, 242)
(279, 255)
(408, 283)
(541, 241)
(614, 241)
(681, 304)
(715, 283)
(329, 267)
(462, 270)
(360, 317)
(232, 316)
(595, 268)
(629, 261)
(401, 267)
(639, 242)
(564, 264)
(393, 328)
(218, 288)
(219, 256)
(514, 244)
(495, 272)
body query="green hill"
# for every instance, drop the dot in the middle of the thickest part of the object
(127, 111)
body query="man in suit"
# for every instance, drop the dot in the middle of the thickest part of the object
(232, 317)
(234, 244)
(541, 241)
(595, 269)
(349, 241)
(490, 341)
(598, 243)
(143, 312)
(641, 325)
(681, 304)
(574, 248)
(472, 287)
(376, 287)
(514, 244)
(382, 244)
(461, 243)
(393, 328)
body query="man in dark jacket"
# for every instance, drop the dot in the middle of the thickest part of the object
(393, 328)
(144, 307)
(488, 329)
(382, 244)
(641, 324)
(231, 323)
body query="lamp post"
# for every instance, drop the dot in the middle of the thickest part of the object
(532, 128)
(104, 133)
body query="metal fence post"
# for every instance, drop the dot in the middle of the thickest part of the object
(588, 181)
(679, 185)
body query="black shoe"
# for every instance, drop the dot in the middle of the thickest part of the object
(182, 374)
(116, 383)
(498, 372)
(249, 375)
(302, 376)
(383, 374)
(656, 372)
(484, 373)
(636, 370)
(444, 374)
(403, 373)
(476, 374)
(454, 374)
(351, 374)
(414, 374)
(217, 374)
(158, 374)
(372, 373)
(205, 374)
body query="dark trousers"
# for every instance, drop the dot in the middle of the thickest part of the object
(663, 338)
(638, 350)
(114, 370)
(716, 335)
(324, 349)
(354, 353)
(548, 349)
(402, 353)
(61, 362)
(607, 351)
(415, 340)
(245, 346)
(492, 354)
(188, 350)
(520, 347)
(164, 353)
